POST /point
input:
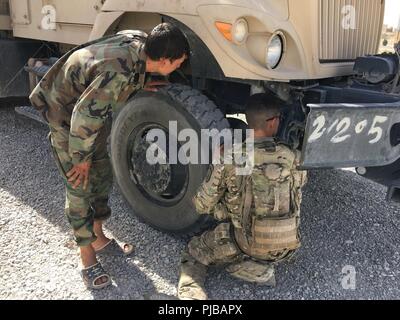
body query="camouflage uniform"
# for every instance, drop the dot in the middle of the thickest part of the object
(262, 211)
(77, 98)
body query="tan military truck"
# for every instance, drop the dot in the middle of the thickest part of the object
(317, 55)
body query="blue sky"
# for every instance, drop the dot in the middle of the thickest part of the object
(392, 12)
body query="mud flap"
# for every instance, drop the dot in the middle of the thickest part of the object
(351, 135)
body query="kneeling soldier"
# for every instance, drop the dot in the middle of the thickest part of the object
(262, 209)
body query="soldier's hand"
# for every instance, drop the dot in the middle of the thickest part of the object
(152, 85)
(79, 174)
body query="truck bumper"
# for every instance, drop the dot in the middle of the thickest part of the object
(355, 128)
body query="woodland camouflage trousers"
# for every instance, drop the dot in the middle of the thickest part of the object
(83, 207)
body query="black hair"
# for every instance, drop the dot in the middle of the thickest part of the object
(166, 41)
(261, 107)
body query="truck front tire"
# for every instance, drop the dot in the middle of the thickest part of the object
(161, 194)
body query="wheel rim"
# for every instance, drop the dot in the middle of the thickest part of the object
(164, 184)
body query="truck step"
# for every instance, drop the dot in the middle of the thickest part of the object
(30, 112)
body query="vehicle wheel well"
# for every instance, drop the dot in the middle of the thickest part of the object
(202, 62)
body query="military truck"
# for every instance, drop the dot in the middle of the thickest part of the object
(319, 56)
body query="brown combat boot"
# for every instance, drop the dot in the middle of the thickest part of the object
(191, 279)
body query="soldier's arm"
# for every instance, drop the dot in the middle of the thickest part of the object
(211, 191)
(90, 113)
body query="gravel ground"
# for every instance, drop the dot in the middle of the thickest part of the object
(345, 221)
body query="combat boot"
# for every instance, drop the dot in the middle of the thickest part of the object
(191, 279)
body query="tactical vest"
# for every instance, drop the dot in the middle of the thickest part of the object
(271, 204)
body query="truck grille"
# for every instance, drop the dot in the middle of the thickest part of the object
(339, 44)
(4, 8)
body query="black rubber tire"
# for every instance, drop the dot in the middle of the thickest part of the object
(191, 109)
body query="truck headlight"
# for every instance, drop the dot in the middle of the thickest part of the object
(275, 50)
(240, 31)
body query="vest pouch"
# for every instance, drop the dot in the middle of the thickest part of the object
(272, 200)
(263, 191)
(274, 234)
(223, 246)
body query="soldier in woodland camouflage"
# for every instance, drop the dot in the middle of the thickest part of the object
(77, 97)
(261, 210)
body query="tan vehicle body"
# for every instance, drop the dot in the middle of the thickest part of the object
(316, 45)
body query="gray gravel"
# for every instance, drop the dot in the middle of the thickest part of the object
(345, 221)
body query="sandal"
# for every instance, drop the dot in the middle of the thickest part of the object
(94, 273)
(113, 249)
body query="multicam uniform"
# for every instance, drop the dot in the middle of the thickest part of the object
(77, 97)
(263, 210)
